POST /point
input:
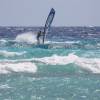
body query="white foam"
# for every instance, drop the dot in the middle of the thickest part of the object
(11, 54)
(89, 64)
(4, 86)
(17, 67)
(29, 37)
(61, 60)
(3, 40)
(67, 42)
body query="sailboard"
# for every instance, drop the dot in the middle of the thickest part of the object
(48, 23)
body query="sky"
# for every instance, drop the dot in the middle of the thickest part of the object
(35, 12)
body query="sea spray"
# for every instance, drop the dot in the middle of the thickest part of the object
(29, 37)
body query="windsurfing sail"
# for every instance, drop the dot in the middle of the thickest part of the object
(48, 22)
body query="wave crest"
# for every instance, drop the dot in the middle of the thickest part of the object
(28, 67)
(11, 54)
(88, 64)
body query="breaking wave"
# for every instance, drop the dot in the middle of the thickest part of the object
(5, 53)
(88, 64)
(3, 40)
(27, 67)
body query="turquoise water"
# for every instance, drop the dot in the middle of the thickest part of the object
(67, 69)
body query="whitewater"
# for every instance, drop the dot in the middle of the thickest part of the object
(67, 67)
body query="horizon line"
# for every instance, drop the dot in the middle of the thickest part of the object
(51, 26)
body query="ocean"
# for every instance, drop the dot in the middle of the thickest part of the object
(67, 67)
